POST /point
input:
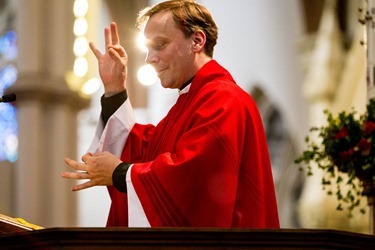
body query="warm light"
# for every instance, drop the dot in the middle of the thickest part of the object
(80, 66)
(80, 26)
(80, 8)
(147, 75)
(91, 86)
(76, 77)
(141, 42)
(80, 46)
(74, 82)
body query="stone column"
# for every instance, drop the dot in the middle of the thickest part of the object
(47, 111)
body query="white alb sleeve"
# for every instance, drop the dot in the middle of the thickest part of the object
(113, 136)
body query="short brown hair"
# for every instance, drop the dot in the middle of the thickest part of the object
(189, 17)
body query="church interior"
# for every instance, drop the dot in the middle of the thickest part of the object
(295, 58)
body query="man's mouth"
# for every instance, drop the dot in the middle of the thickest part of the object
(160, 71)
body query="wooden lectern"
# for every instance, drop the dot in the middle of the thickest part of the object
(16, 235)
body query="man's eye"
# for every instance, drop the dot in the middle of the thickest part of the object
(159, 46)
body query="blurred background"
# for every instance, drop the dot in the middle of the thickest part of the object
(295, 57)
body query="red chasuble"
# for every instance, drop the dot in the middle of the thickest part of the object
(206, 164)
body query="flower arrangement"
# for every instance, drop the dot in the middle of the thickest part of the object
(347, 147)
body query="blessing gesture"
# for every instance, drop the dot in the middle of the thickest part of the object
(113, 63)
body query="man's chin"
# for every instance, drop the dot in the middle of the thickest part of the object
(167, 85)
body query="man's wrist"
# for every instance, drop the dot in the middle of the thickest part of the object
(111, 104)
(109, 93)
(119, 176)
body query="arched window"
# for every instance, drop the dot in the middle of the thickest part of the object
(8, 76)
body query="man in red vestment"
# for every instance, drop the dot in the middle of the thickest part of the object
(206, 164)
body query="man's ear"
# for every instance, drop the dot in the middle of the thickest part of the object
(199, 40)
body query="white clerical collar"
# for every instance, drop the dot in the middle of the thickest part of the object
(184, 90)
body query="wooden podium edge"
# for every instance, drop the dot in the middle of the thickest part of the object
(186, 238)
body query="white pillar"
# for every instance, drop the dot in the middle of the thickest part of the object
(47, 111)
(29, 177)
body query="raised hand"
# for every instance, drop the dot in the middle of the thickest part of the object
(113, 63)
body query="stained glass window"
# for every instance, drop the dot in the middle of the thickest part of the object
(8, 76)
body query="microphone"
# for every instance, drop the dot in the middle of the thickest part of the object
(8, 98)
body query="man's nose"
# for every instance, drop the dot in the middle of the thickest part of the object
(151, 57)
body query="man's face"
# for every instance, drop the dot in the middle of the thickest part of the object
(169, 51)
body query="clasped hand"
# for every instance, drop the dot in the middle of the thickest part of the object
(97, 168)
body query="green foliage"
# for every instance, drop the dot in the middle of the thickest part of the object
(346, 147)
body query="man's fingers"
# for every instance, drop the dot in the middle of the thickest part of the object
(85, 157)
(115, 56)
(114, 34)
(69, 161)
(117, 49)
(95, 50)
(75, 175)
(82, 186)
(74, 164)
(107, 38)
